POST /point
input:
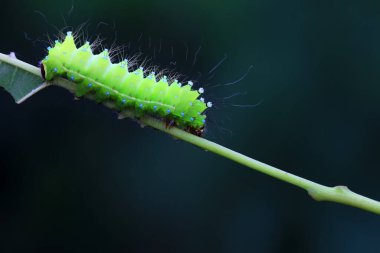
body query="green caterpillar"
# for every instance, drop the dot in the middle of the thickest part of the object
(96, 74)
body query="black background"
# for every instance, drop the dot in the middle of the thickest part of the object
(73, 178)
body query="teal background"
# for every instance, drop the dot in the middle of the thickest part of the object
(73, 178)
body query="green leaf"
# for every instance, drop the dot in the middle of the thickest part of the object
(19, 79)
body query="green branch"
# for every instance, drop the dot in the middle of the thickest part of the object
(338, 194)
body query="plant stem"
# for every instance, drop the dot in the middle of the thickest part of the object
(338, 194)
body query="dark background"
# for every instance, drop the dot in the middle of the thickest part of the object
(73, 178)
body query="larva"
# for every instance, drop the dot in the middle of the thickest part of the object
(164, 99)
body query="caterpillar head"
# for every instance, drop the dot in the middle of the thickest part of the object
(58, 55)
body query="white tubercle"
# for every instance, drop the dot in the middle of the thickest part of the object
(152, 75)
(209, 104)
(105, 53)
(190, 83)
(202, 99)
(201, 90)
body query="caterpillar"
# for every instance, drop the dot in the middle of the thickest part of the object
(178, 105)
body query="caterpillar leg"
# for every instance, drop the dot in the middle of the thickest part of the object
(196, 131)
(169, 123)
